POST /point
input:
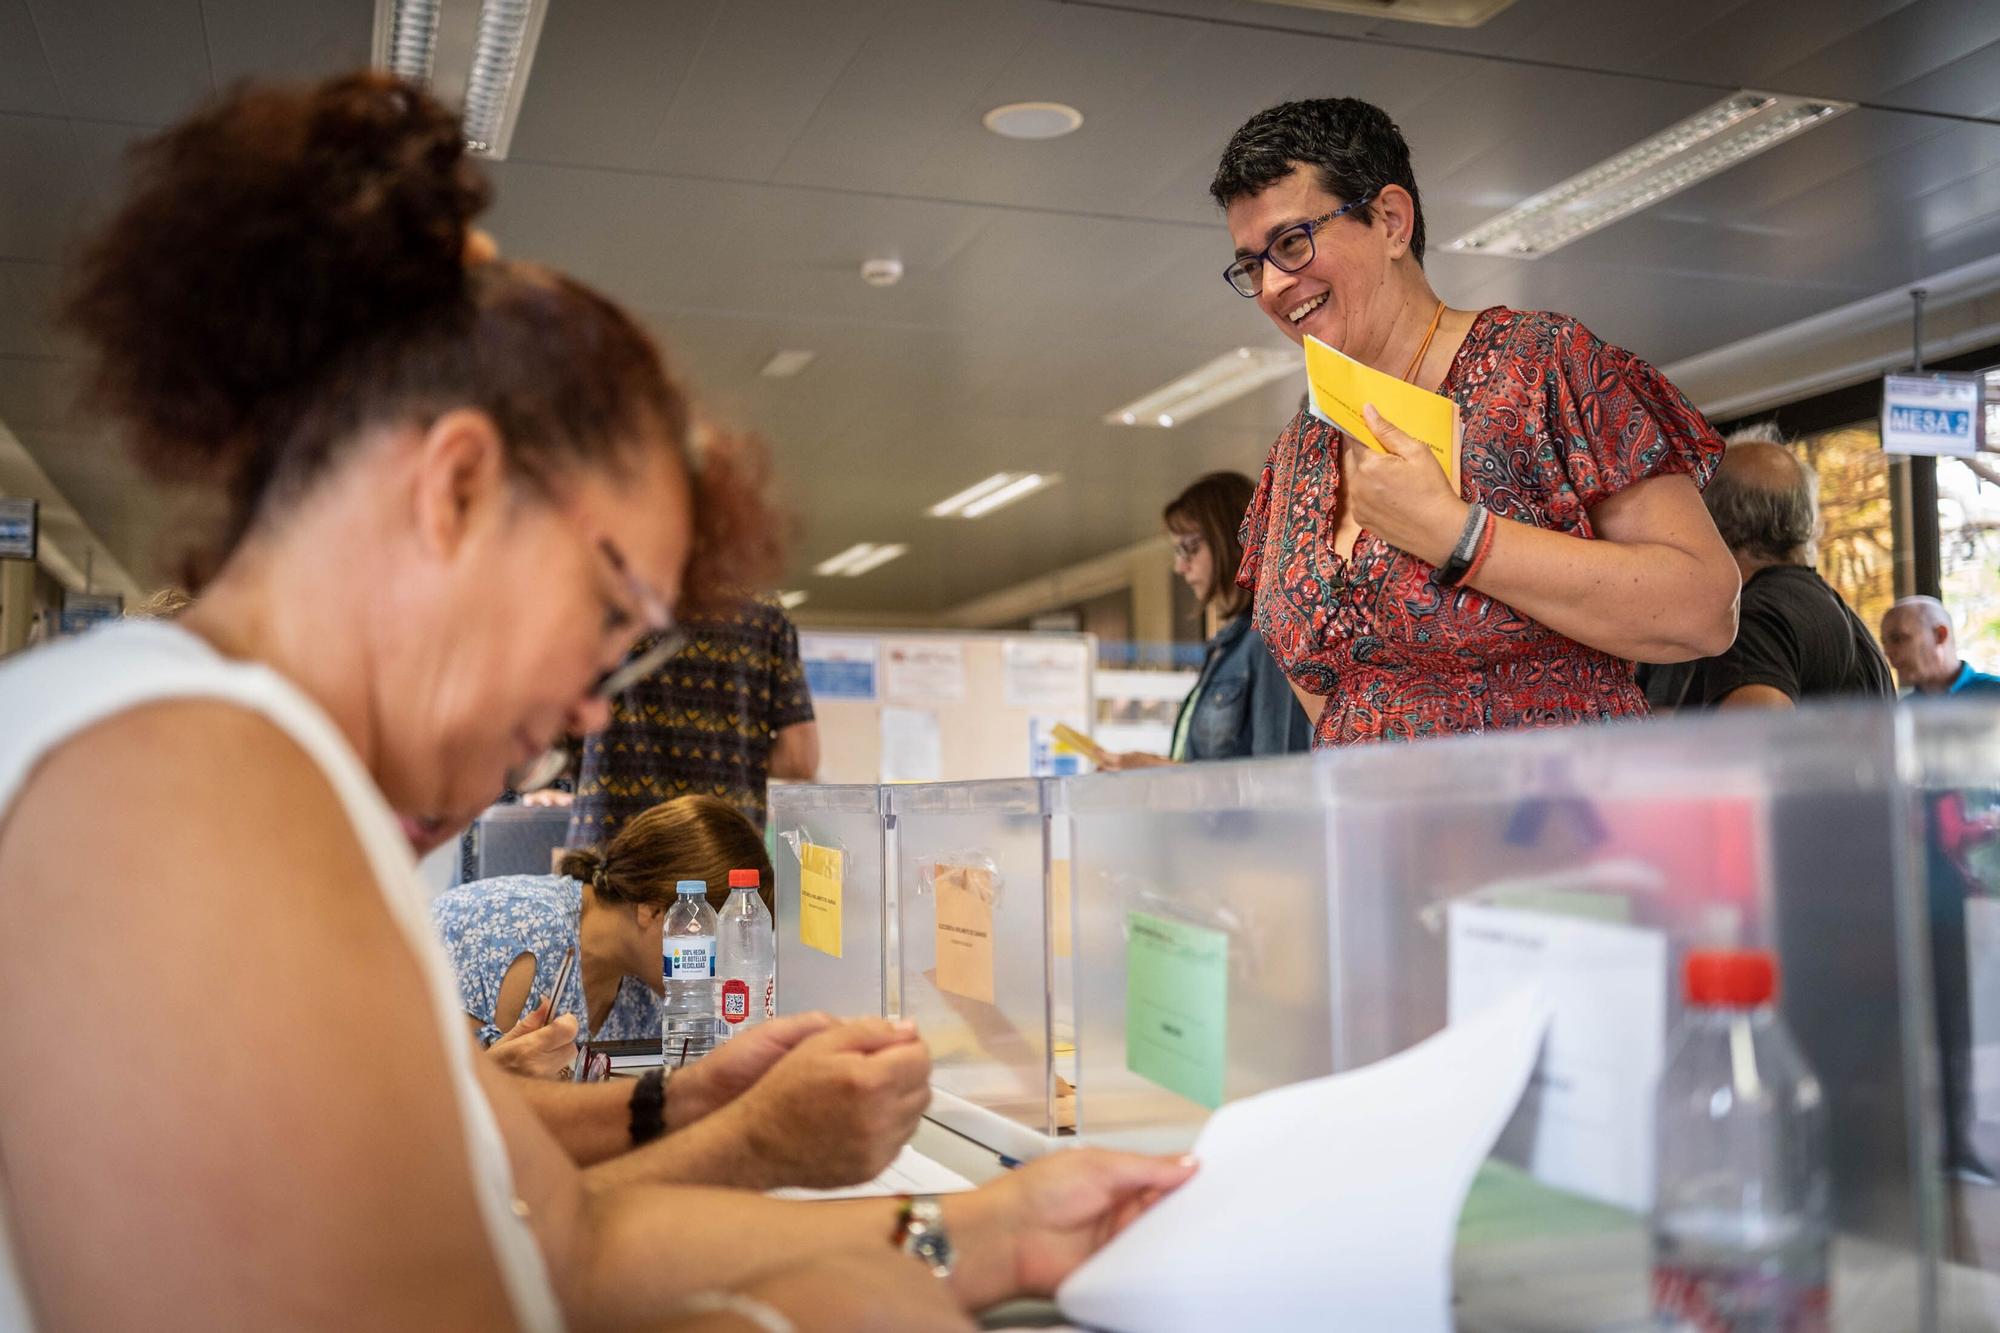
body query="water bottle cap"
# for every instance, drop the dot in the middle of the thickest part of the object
(745, 879)
(1731, 978)
(691, 886)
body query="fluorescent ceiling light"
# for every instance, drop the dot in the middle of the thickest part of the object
(875, 559)
(473, 54)
(1033, 120)
(1008, 494)
(1229, 376)
(1712, 140)
(406, 38)
(793, 598)
(784, 365)
(1002, 488)
(859, 558)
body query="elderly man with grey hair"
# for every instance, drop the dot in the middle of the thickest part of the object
(1796, 639)
(1918, 637)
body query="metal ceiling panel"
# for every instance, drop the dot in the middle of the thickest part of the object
(605, 74)
(27, 87)
(44, 190)
(286, 39)
(142, 63)
(1968, 86)
(922, 72)
(1897, 51)
(762, 71)
(26, 292)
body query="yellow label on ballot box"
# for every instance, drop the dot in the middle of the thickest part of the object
(1341, 386)
(819, 898)
(965, 931)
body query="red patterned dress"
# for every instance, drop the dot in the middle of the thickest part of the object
(1556, 421)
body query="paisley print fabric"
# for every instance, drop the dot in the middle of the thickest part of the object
(703, 724)
(1556, 421)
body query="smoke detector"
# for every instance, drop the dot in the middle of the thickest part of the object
(881, 272)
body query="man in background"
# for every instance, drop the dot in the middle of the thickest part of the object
(723, 716)
(1796, 640)
(1918, 636)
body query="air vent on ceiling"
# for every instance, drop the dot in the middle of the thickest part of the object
(1442, 13)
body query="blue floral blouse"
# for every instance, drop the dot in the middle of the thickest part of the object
(487, 924)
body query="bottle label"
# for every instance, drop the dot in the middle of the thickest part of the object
(735, 1000)
(1693, 1298)
(690, 957)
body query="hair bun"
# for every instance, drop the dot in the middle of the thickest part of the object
(262, 239)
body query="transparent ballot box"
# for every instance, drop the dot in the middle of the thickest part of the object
(971, 949)
(827, 847)
(1243, 926)
(1954, 824)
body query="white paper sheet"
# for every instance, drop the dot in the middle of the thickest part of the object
(923, 670)
(912, 746)
(910, 1173)
(1586, 1121)
(1047, 675)
(1327, 1204)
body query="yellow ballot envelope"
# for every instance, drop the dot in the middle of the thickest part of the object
(1341, 385)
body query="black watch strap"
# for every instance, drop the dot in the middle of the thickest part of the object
(649, 1107)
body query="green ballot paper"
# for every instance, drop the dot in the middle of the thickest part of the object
(1176, 1005)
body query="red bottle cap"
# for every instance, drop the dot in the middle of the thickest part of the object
(745, 879)
(1731, 979)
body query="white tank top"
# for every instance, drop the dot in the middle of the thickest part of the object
(50, 694)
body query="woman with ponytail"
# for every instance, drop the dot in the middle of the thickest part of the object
(506, 936)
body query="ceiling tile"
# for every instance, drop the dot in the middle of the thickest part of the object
(144, 63)
(287, 39)
(42, 188)
(26, 84)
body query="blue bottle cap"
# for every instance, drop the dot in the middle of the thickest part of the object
(688, 886)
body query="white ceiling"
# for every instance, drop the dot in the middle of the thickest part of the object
(724, 167)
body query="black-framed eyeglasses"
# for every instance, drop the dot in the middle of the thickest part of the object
(660, 641)
(1290, 250)
(1187, 548)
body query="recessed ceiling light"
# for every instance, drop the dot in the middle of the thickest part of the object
(1712, 140)
(1033, 120)
(1208, 386)
(784, 365)
(793, 598)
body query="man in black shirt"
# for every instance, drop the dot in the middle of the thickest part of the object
(1797, 640)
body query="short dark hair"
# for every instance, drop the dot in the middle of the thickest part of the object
(1214, 508)
(1355, 146)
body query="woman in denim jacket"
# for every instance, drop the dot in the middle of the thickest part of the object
(1242, 705)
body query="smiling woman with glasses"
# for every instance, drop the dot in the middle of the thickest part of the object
(1577, 543)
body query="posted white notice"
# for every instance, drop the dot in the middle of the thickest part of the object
(1586, 1122)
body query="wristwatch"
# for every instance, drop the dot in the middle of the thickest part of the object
(920, 1232)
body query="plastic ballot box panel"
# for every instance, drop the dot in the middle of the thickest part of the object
(1200, 931)
(827, 846)
(1589, 862)
(1953, 823)
(972, 944)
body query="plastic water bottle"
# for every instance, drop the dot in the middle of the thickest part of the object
(691, 1027)
(748, 962)
(1741, 1216)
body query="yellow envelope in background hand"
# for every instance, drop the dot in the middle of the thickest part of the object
(1341, 385)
